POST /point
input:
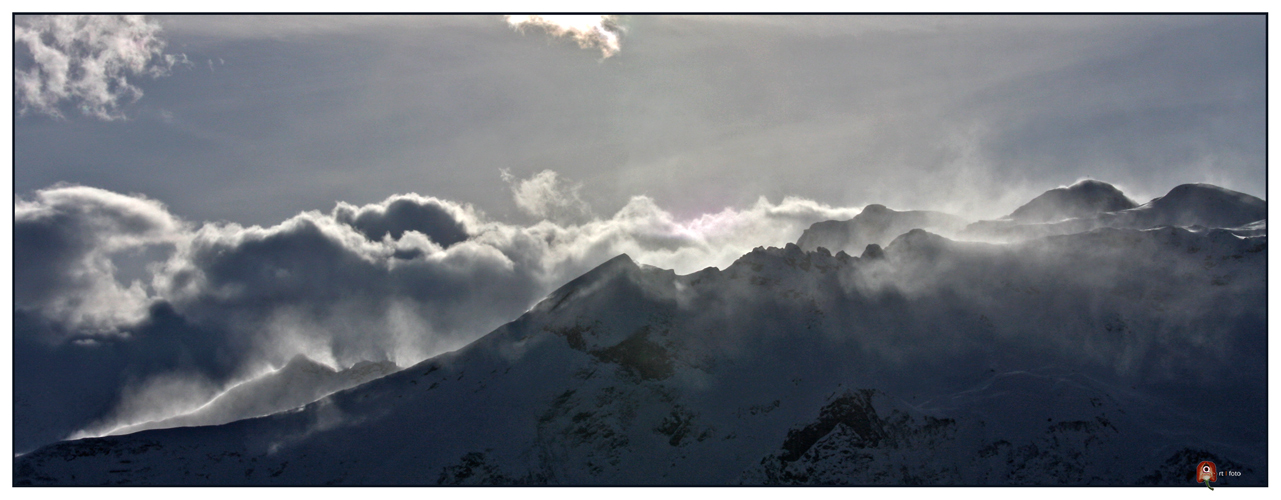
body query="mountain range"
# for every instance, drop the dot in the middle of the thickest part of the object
(1202, 205)
(1102, 343)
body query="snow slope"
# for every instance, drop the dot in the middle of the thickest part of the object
(1194, 204)
(299, 382)
(1109, 357)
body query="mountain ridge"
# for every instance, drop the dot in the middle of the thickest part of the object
(1083, 198)
(789, 367)
(1094, 357)
(1185, 205)
(876, 224)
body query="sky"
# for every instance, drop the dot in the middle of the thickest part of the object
(200, 198)
(265, 117)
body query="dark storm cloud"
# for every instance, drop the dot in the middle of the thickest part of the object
(404, 213)
(64, 241)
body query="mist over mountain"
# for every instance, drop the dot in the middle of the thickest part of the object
(127, 314)
(877, 225)
(1097, 357)
(1195, 204)
(1084, 198)
(1203, 205)
(299, 382)
(480, 249)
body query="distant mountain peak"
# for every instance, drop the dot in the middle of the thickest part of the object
(876, 224)
(621, 260)
(621, 266)
(872, 252)
(1201, 193)
(1090, 184)
(1203, 204)
(917, 241)
(1186, 205)
(606, 270)
(875, 208)
(301, 361)
(1083, 198)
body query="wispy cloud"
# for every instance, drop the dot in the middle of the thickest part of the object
(590, 31)
(546, 196)
(86, 62)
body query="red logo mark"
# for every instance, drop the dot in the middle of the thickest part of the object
(1207, 473)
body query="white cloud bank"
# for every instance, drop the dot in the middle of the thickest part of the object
(86, 61)
(438, 256)
(590, 31)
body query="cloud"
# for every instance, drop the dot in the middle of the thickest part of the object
(412, 276)
(545, 195)
(314, 285)
(86, 61)
(460, 272)
(654, 236)
(66, 238)
(594, 31)
(398, 214)
(400, 280)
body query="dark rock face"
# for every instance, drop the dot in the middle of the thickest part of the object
(637, 354)
(843, 443)
(873, 251)
(853, 410)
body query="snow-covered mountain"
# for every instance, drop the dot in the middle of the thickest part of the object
(1194, 204)
(875, 225)
(1082, 199)
(1108, 357)
(1202, 205)
(299, 382)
